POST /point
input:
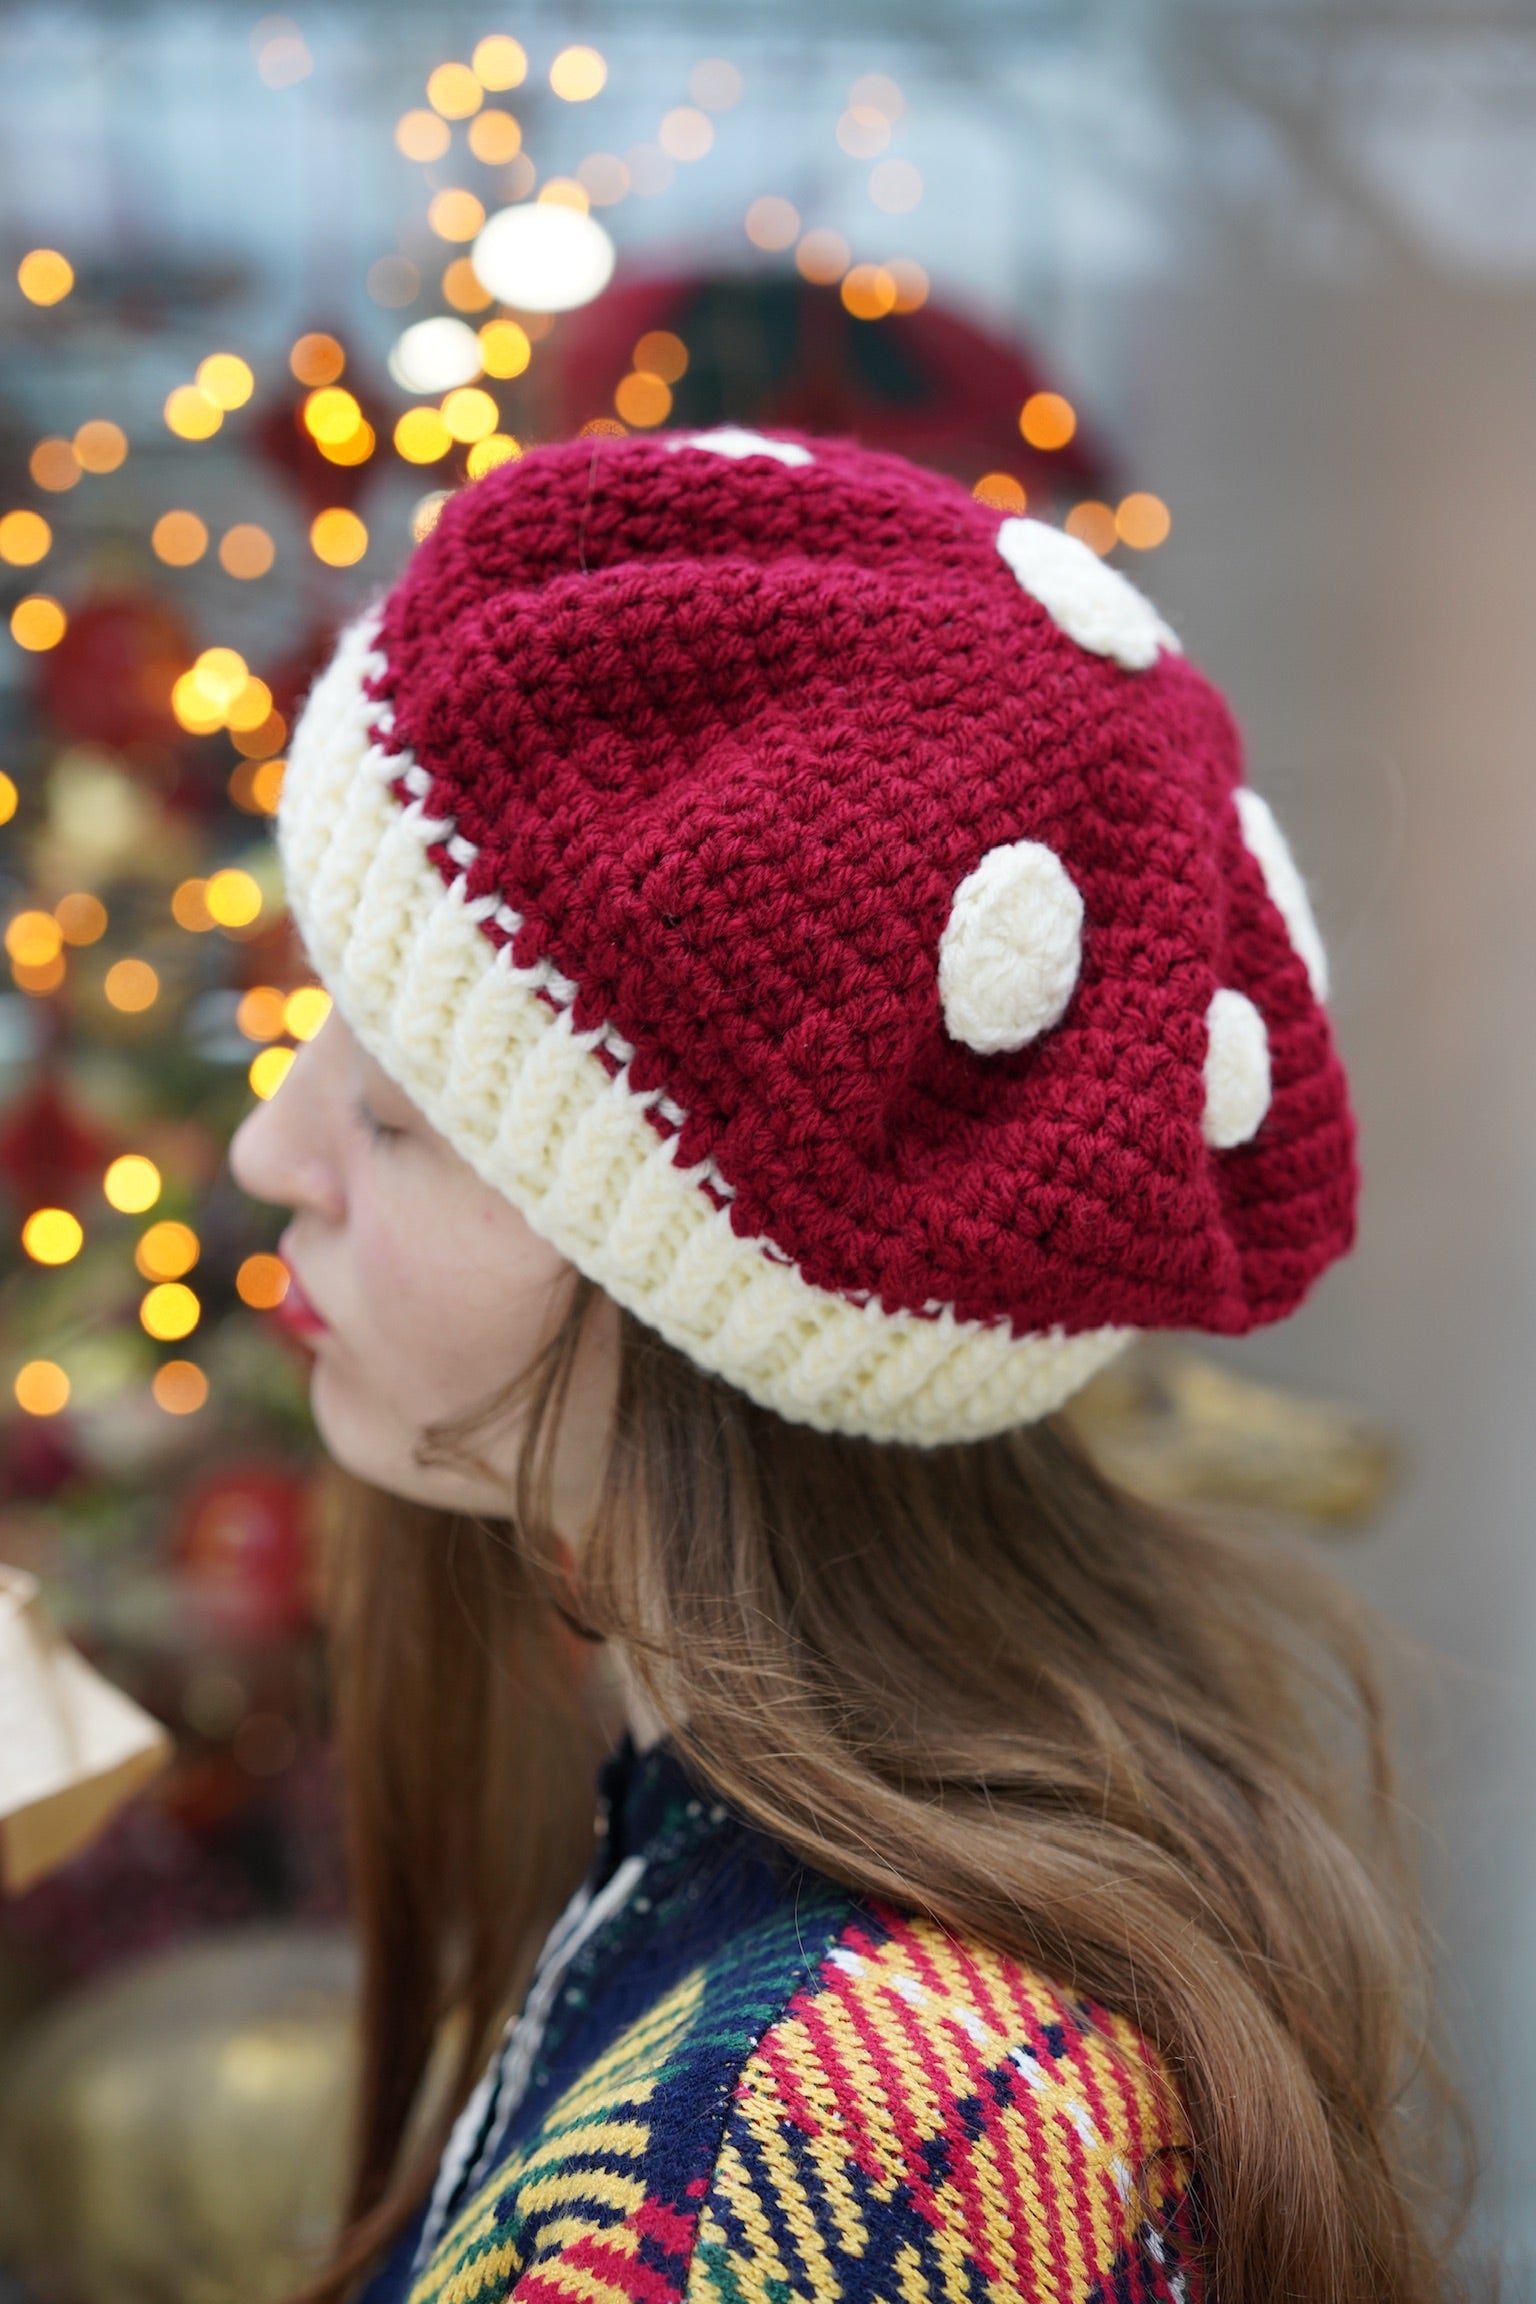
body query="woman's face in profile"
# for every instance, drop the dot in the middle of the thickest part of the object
(434, 1291)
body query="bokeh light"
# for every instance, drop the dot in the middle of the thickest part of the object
(604, 178)
(454, 91)
(544, 259)
(869, 291)
(823, 256)
(189, 907)
(34, 938)
(643, 401)
(38, 622)
(9, 797)
(317, 358)
(455, 214)
(470, 414)
(24, 538)
(911, 283)
(260, 1013)
(305, 1011)
(715, 84)
(131, 986)
(54, 465)
(44, 276)
(233, 898)
(495, 137)
(863, 131)
(41, 1388)
(686, 133)
(504, 348)
(338, 537)
(463, 288)
(131, 1184)
(246, 551)
(191, 414)
(52, 1236)
(662, 354)
(496, 448)
(394, 282)
(82, 918)
(1142, 521)
(565, 192)
(100, 446)
(226, 379)
(256, 785)
(269, 1070)
(170, 1311)
(422, 135)
(1092, 524)
(500, 62)
(426, 511)
(773, 222)
(262, 1282)
(578, 74)
(421, 436)
(179, 1387)
(167, 1251)
(435, 355)
(179, 539)
(1047, 420)
(331, 414)
(880, 93)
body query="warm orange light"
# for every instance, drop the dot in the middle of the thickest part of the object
(421, 436)
(773, 222)
(233, 898)
(643, 400)
(318, 358)
(869, 291)
(260, 1013)
(463, 287)
(338, 538)
(469, 413)
(496, 448)
(226, 379)
(565, 192)
(38, 622)
(455, 214)
(911, 284)
(662, 354)
(504, 348)
(1001, 491)
(355, 449)
(261, 742)
(578, 74)
(421, 135)
(131, 1184)
(10, 798)
(167, 1251)
(454, 91)
(267, 785)
(221, 674)
(193, 708)
(100, 446)
(1047, 420)
(179, 539)
(251, 709)
(500, 62)
(82, 918)
(1092, 524)
(54, 465)
(1142, 521)
(331, 414)
(191, 414)
(52, 1236)
(34, 938)
(495, 138)
(131, 986)
(686, 133)
(180, 1387)
(246, 551)
(41, 1388)
(189, 906)
(38, 982)
(604, 428)
(44, 276)
(305, 1011)
(24, 538)
(426, 511)
(823, 256)
(170, 1311)
(269, 1070)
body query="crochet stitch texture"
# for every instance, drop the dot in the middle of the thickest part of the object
(755, 2088)
(835, 916)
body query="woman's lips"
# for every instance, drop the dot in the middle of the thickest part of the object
(296, 1313)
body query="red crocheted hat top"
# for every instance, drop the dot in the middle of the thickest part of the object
(727, 733)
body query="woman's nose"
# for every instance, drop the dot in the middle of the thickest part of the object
(281, 1150)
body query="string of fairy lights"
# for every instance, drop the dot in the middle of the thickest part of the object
(508, 272)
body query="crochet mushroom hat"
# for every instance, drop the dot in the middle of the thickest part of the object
(835, 916)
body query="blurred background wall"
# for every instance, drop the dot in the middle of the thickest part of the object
(1280, 262)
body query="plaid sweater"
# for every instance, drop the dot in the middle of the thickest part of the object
(734, 2082)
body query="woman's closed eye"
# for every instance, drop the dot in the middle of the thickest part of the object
(382, 1131)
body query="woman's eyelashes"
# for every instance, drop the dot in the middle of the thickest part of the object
(380, 1130)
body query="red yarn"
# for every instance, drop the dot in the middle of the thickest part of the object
(728, 734)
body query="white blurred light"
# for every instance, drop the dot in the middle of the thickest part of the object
(436, 355)
(543, 258)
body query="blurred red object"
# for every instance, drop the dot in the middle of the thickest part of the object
(109, 680)
(242, 1552)
(47, 1152)
(778, 350)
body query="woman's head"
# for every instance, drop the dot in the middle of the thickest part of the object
(430, 1291)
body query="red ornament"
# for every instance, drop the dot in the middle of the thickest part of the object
(47, 1153)
(243, 1552)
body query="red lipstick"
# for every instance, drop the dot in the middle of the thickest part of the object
(296, 1313)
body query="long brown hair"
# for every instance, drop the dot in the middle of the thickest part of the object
(977, 1681)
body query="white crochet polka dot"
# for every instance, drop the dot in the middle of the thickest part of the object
(1094, 605)
(1236, 1070)
(733, 440)
(1267, 844)
(1011, 948)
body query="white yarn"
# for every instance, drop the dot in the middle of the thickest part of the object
(1267, 844)
(733, 440)
(1236, 1070)
(1094, 605)
(1011, 948)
